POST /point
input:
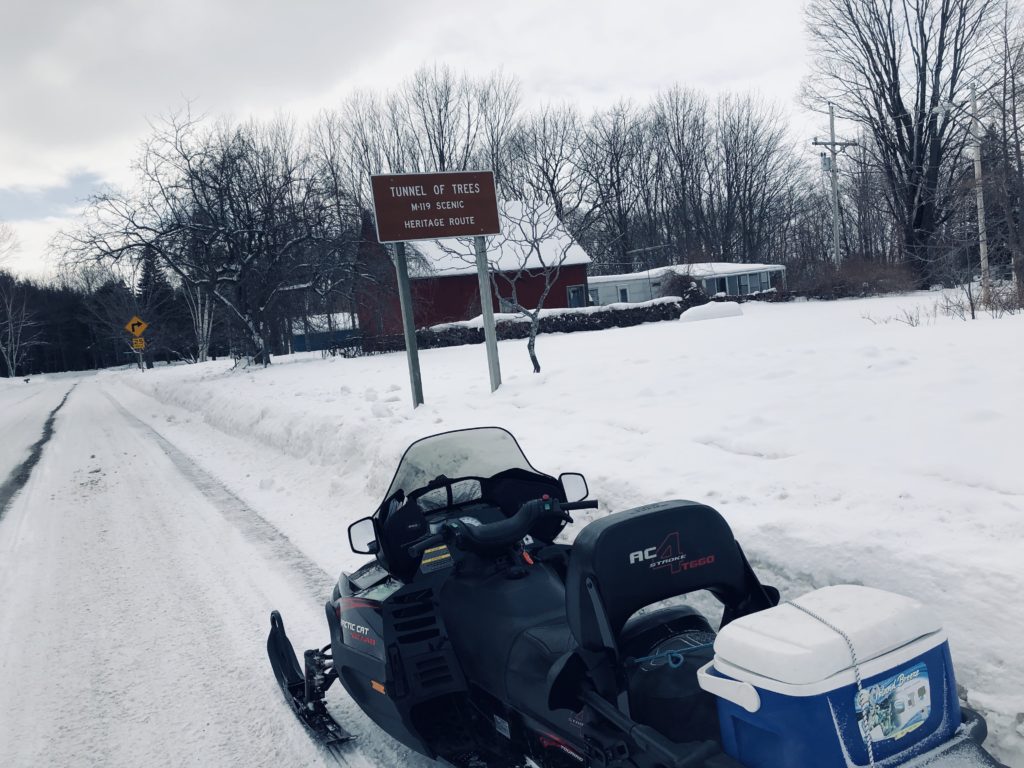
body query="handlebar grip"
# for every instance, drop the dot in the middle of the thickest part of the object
(417, 549)
(569, 506)
(501, 534)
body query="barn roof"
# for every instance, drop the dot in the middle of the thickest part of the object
(531, 238)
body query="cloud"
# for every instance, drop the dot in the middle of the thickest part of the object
(33, 203)
(32, 257)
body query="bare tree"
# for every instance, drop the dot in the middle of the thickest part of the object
(238, 211)
(682, 128)
(8, 241)
(497, 101)
(525, 261)
(19, 327)
(201, 312)
(750, 162)
(442, 118)
(1006, 171)
(546, 160)
(612, 151)
(891, 66)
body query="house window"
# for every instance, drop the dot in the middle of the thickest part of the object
(623, 294)
(577, 295)
(733, 285)
(744, 285)
(595, 296)
(766, 282)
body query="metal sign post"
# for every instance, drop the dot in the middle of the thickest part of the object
(433, 206)
(490, 334)
(408, 325)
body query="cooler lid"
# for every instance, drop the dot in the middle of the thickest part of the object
(785, 644)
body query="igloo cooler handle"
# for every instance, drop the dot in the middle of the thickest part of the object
(741, 694)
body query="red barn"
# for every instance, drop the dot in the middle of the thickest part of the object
(532, 250)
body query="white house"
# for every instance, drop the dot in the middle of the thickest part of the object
(716, 278)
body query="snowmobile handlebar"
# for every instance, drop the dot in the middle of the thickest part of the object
(504, 533)
(569, 506)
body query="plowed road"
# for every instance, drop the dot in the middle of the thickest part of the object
(134, 600)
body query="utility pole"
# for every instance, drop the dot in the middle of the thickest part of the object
(835, 147)
(980, 197)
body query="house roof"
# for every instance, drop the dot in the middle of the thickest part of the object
(698, 270)
(531, 238)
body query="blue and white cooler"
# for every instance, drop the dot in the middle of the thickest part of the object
(843, 676)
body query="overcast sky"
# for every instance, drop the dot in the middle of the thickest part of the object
(78, 80)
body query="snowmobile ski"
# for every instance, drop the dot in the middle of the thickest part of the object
(304, 691)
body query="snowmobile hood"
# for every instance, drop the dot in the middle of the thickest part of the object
(790, 646)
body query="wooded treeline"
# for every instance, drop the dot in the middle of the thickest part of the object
(237, 230)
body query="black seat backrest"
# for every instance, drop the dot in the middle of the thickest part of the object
(628, 560)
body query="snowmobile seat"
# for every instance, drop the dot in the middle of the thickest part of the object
(531, 658)
(537, 650)
(627, 561)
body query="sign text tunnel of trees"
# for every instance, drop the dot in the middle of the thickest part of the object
(429, 206)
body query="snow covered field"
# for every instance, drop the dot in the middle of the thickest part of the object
(174, 508)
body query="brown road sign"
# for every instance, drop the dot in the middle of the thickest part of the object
(138, 343)
(136, 326)
(429, 206)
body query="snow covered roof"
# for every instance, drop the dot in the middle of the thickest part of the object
(699, 270)
(531, 237)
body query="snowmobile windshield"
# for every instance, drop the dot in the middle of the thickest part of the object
(481, 453)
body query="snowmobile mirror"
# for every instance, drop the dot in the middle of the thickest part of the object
(574, 485)
(362, 537)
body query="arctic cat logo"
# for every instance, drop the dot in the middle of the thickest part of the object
(668, 554)
(355, 627)
(358, 632)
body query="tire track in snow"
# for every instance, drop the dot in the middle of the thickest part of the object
(250, 522)
(378, 749)
(20, 474)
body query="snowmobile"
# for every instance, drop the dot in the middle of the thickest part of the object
(476, 639)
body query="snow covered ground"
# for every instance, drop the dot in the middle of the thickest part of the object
(174, 508)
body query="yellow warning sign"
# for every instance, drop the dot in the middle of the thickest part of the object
(138, 343)
(136, 326)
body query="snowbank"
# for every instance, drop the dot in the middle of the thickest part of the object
(712, 311)
(841, 450)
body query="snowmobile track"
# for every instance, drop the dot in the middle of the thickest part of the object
(20, 475)
(253, 525)
(317, 582)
